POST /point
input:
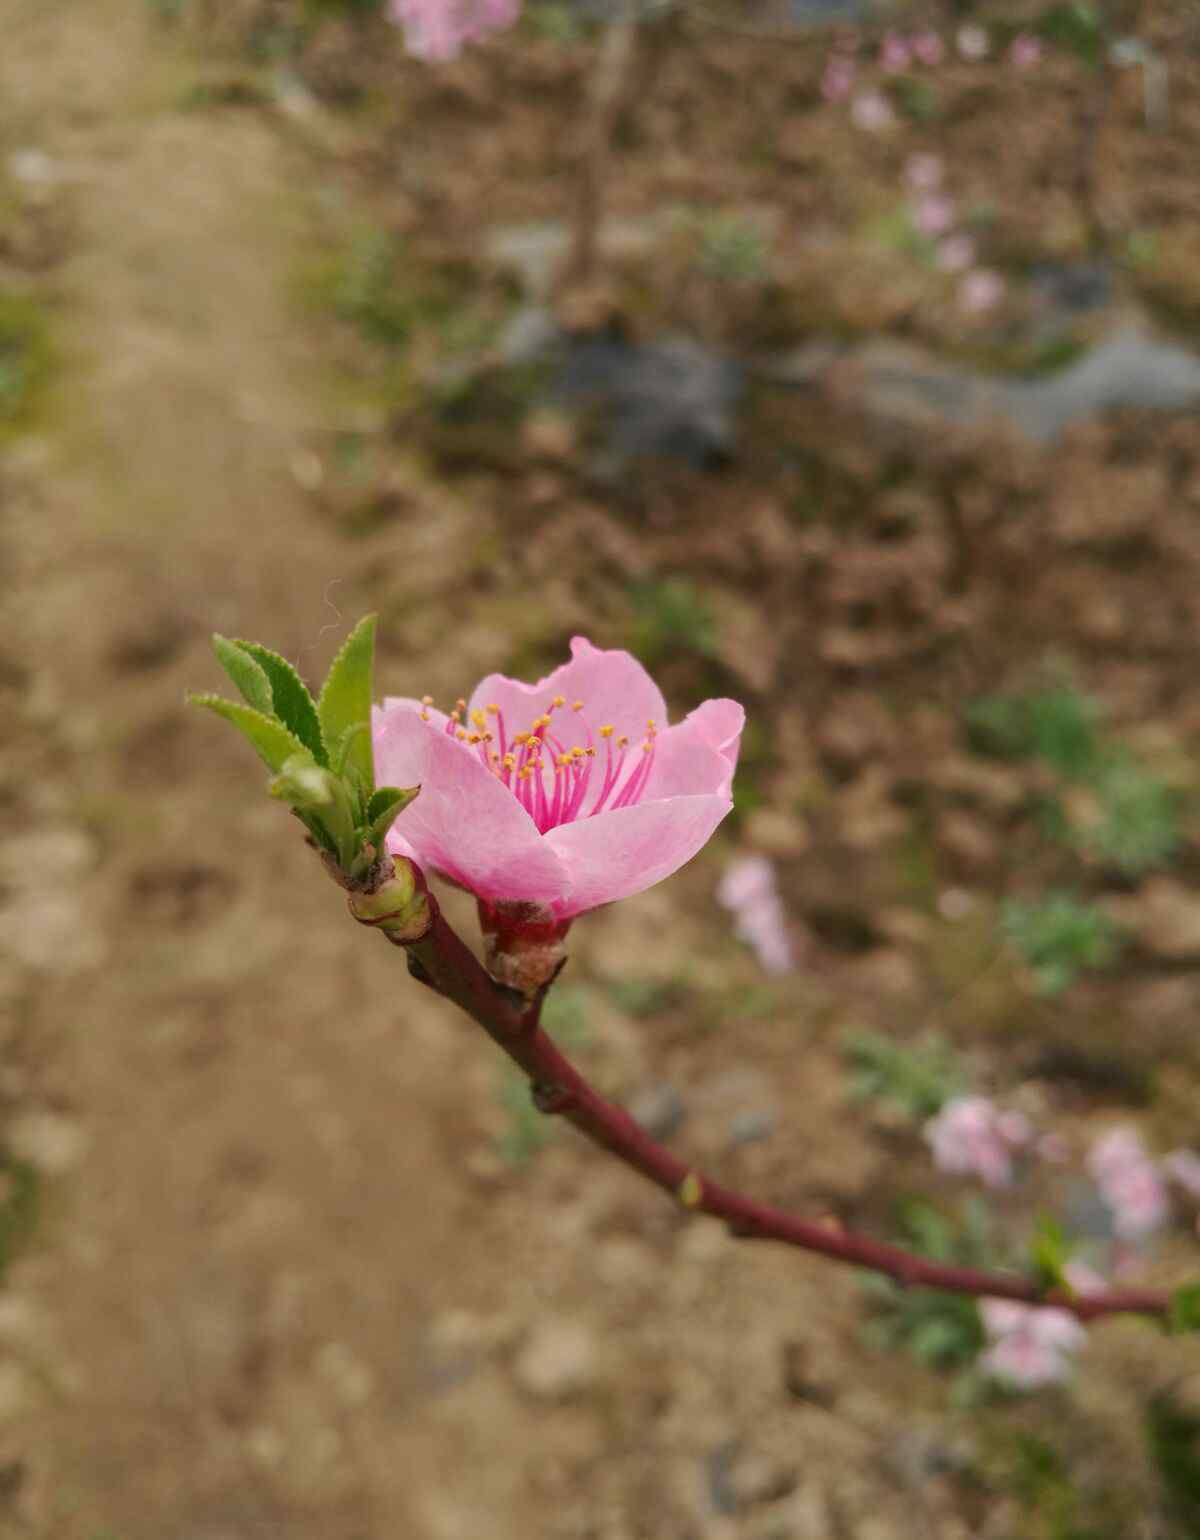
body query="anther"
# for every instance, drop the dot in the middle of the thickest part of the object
(576, 705)
(427, 700)
(606, 732)
(559, 700)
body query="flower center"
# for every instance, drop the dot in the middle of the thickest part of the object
(556, 780)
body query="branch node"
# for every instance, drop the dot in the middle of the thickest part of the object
(690, 1191)
(552, 1099)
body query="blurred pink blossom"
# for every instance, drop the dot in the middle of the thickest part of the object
(1031, 1345)
(748, 890)
(933, 214)
(1129, 1183)
(437, 29)
(980, 291)
(928, 47)
(955, 254)
(970, 1136)
(1083, 1278)
(872, 110)
(837, 78)
(972, 42)
(1183, 1167)
(1025, 52)
(894, 56)
(923, 171)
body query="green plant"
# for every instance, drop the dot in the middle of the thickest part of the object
(1173, 1433)
(1058, 725)
(25, 357)
(364, 289)
(1043, 1486)
(671, 615)
(526, 1130)
(943, 1331)
(1137, 828)
(916, 1078)
(20, 1195)
(1058, 936)
(733, 248)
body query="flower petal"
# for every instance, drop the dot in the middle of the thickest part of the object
(465, 823)
(613, 686)
(698, 754)
(616, 854)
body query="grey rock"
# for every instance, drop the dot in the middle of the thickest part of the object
(659, 1109)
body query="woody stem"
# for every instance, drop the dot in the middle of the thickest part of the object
(441, 959)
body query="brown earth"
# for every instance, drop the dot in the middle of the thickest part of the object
(283, 1283)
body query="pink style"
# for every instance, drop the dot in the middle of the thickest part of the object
(565, 794)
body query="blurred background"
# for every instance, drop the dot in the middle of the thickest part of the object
(838, 357)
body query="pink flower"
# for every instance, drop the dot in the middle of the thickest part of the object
(437, 29)
(980, 291)
(872, 110)
(837, 78)
(971, 1136)
(933, 214)
(923, 171)
(564, 794)
(1030, 1345)
(748, 889)
(893, 54)
(1025, 52)
(928, 47)
(972, 42)
(1129, 1183)
(955, 254)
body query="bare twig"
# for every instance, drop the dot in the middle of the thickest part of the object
(440, 959)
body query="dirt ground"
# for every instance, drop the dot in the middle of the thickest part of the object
(291, 1275)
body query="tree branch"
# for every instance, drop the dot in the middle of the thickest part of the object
(441, 959)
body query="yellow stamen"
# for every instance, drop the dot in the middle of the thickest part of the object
(492, 709)
(622, 743)
(479, 719)
(606, 732)
(559, 700)
(576, 705)
(427, 700)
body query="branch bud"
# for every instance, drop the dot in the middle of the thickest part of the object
(398, 905)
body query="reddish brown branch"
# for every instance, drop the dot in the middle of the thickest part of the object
(441, 959)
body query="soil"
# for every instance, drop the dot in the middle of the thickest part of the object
(301, 1265)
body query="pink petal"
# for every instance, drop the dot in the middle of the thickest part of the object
(614, 687)
(465, 823)
(614, 855)
(699, 754)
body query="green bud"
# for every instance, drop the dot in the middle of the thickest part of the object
(398, 907)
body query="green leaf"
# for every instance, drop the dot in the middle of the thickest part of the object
(293, 705)
(1185, 1308)
(344, 705)
(323, 798)
(249, 676)
(271, 739)
(383, 809)
(1049, 1252)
